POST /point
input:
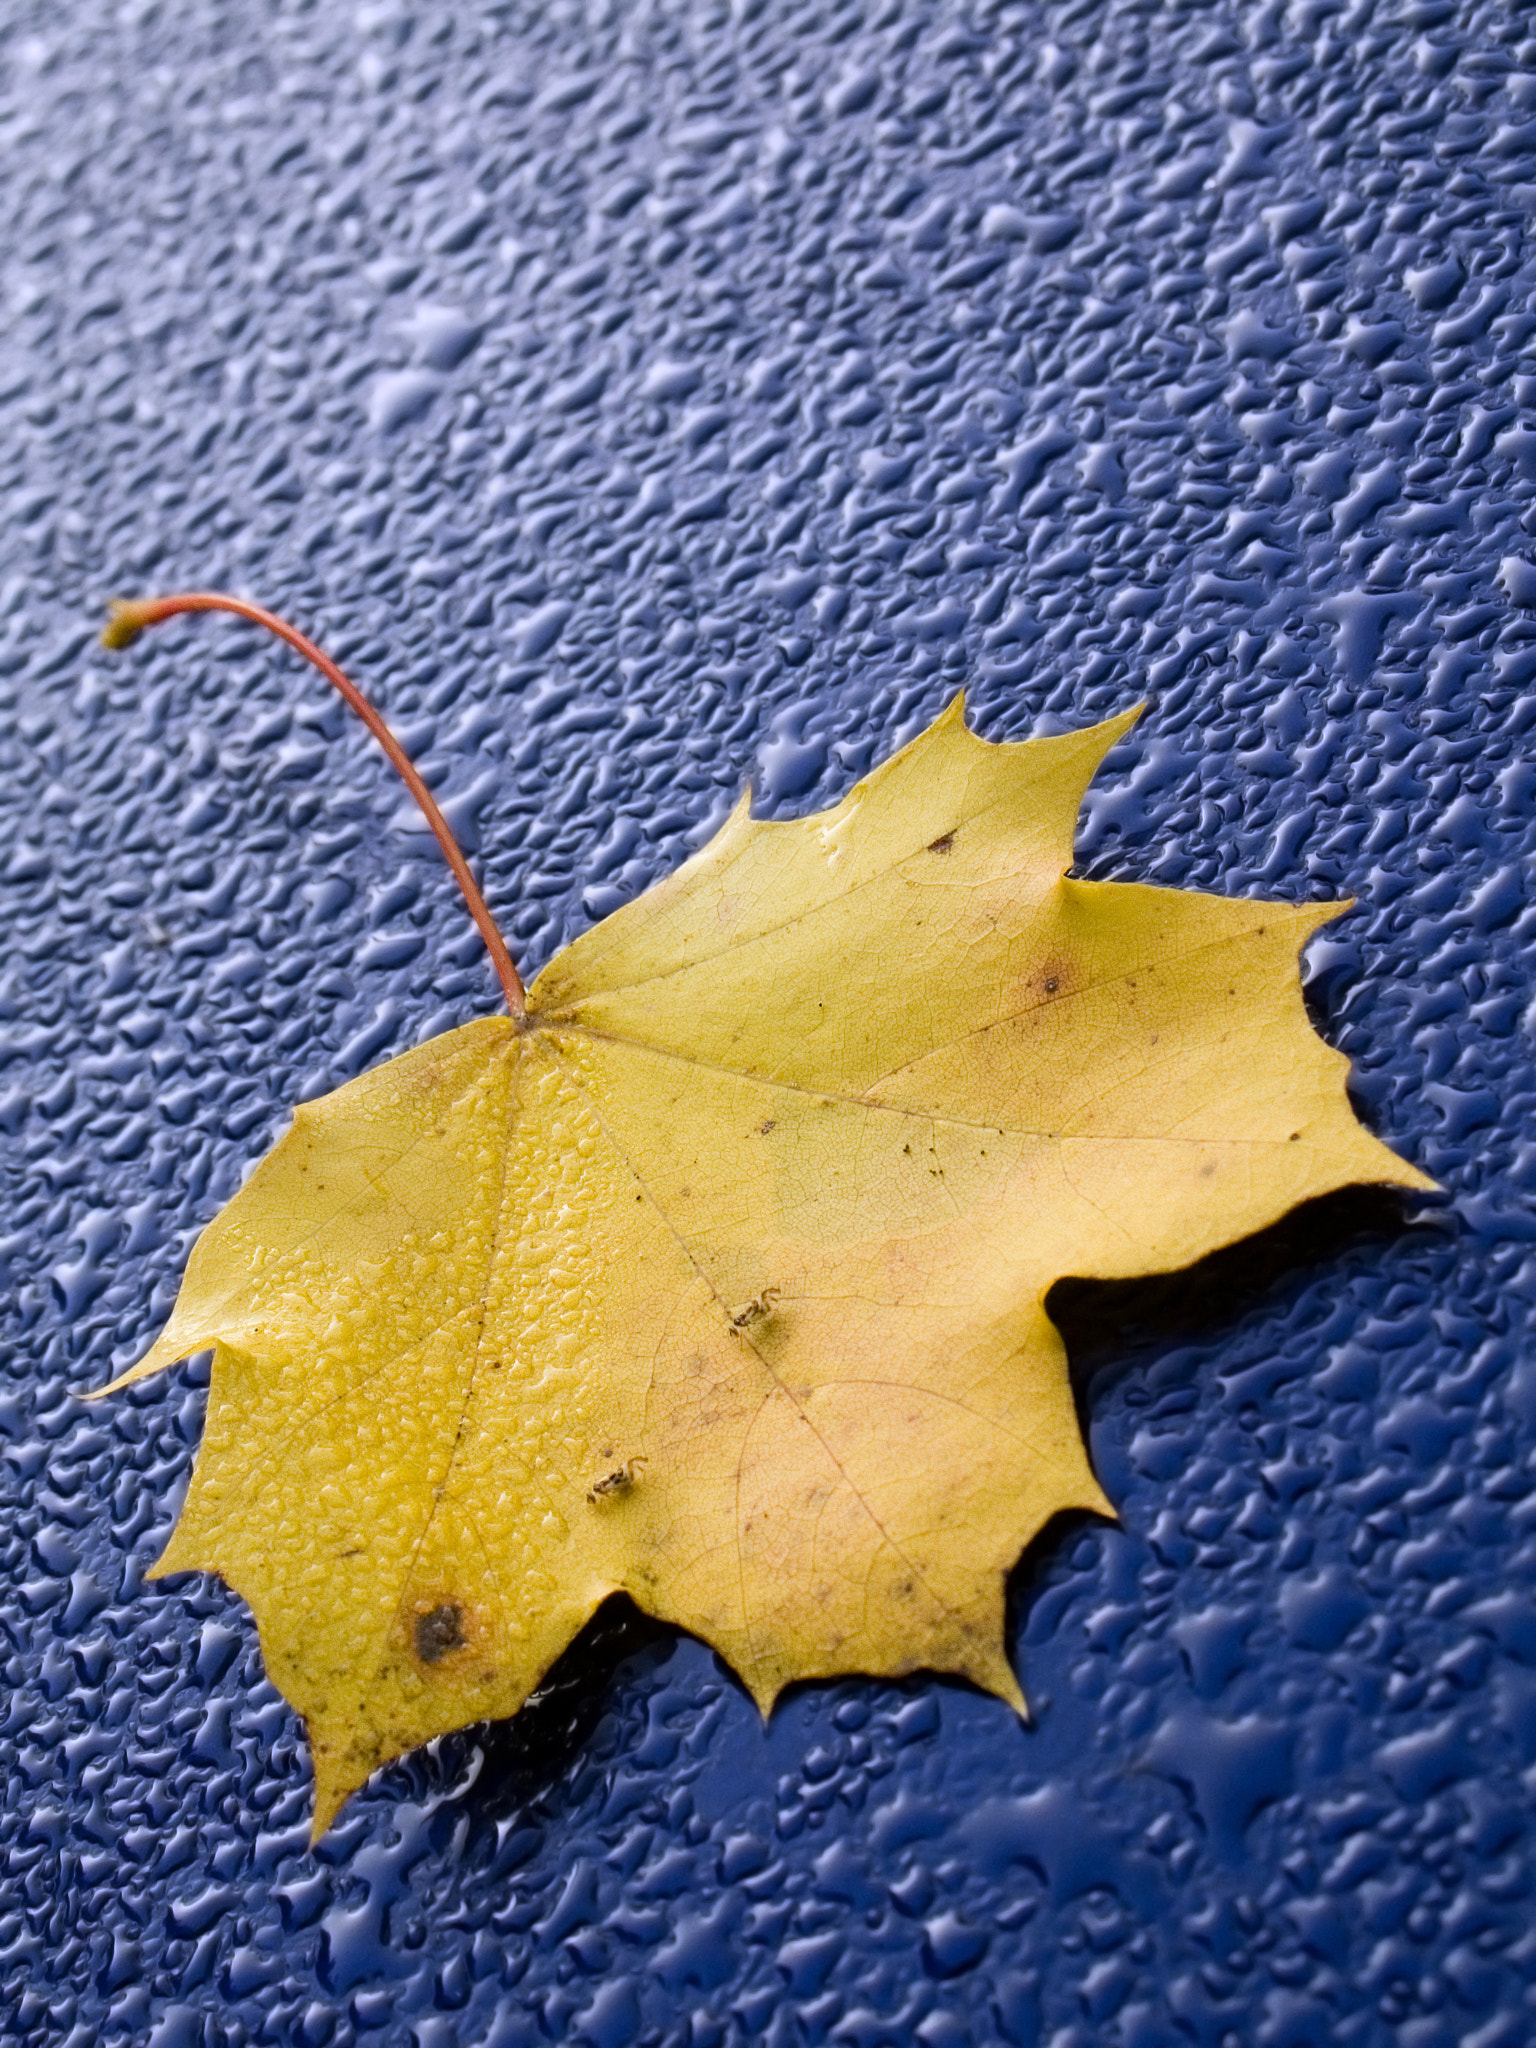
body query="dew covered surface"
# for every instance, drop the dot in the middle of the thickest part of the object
(645, 398)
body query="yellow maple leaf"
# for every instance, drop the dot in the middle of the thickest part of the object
(718, 1277)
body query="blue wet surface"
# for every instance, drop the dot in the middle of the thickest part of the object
(642, 398)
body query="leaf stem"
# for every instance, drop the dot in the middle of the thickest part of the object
(129, 617)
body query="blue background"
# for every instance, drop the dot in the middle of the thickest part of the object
(644, 397)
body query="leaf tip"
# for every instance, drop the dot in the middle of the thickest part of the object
(1089, 744)
(332, 1792)
(1097, 1502)
(156, 1359)
(113, 1386)
(1115, 728)
(1316, 915)
(1004, 1685)
(1411, 1177)
(169, 1564)
(765, 1694)
(320, 1822)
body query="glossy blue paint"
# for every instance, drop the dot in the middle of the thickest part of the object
(641, 399)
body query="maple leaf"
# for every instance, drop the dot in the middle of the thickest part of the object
(717, 1277)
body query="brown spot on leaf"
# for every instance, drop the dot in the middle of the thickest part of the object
(1057, 975)
(439, 1632)
(942, 844)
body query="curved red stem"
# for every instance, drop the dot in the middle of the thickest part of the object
(127, 620)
